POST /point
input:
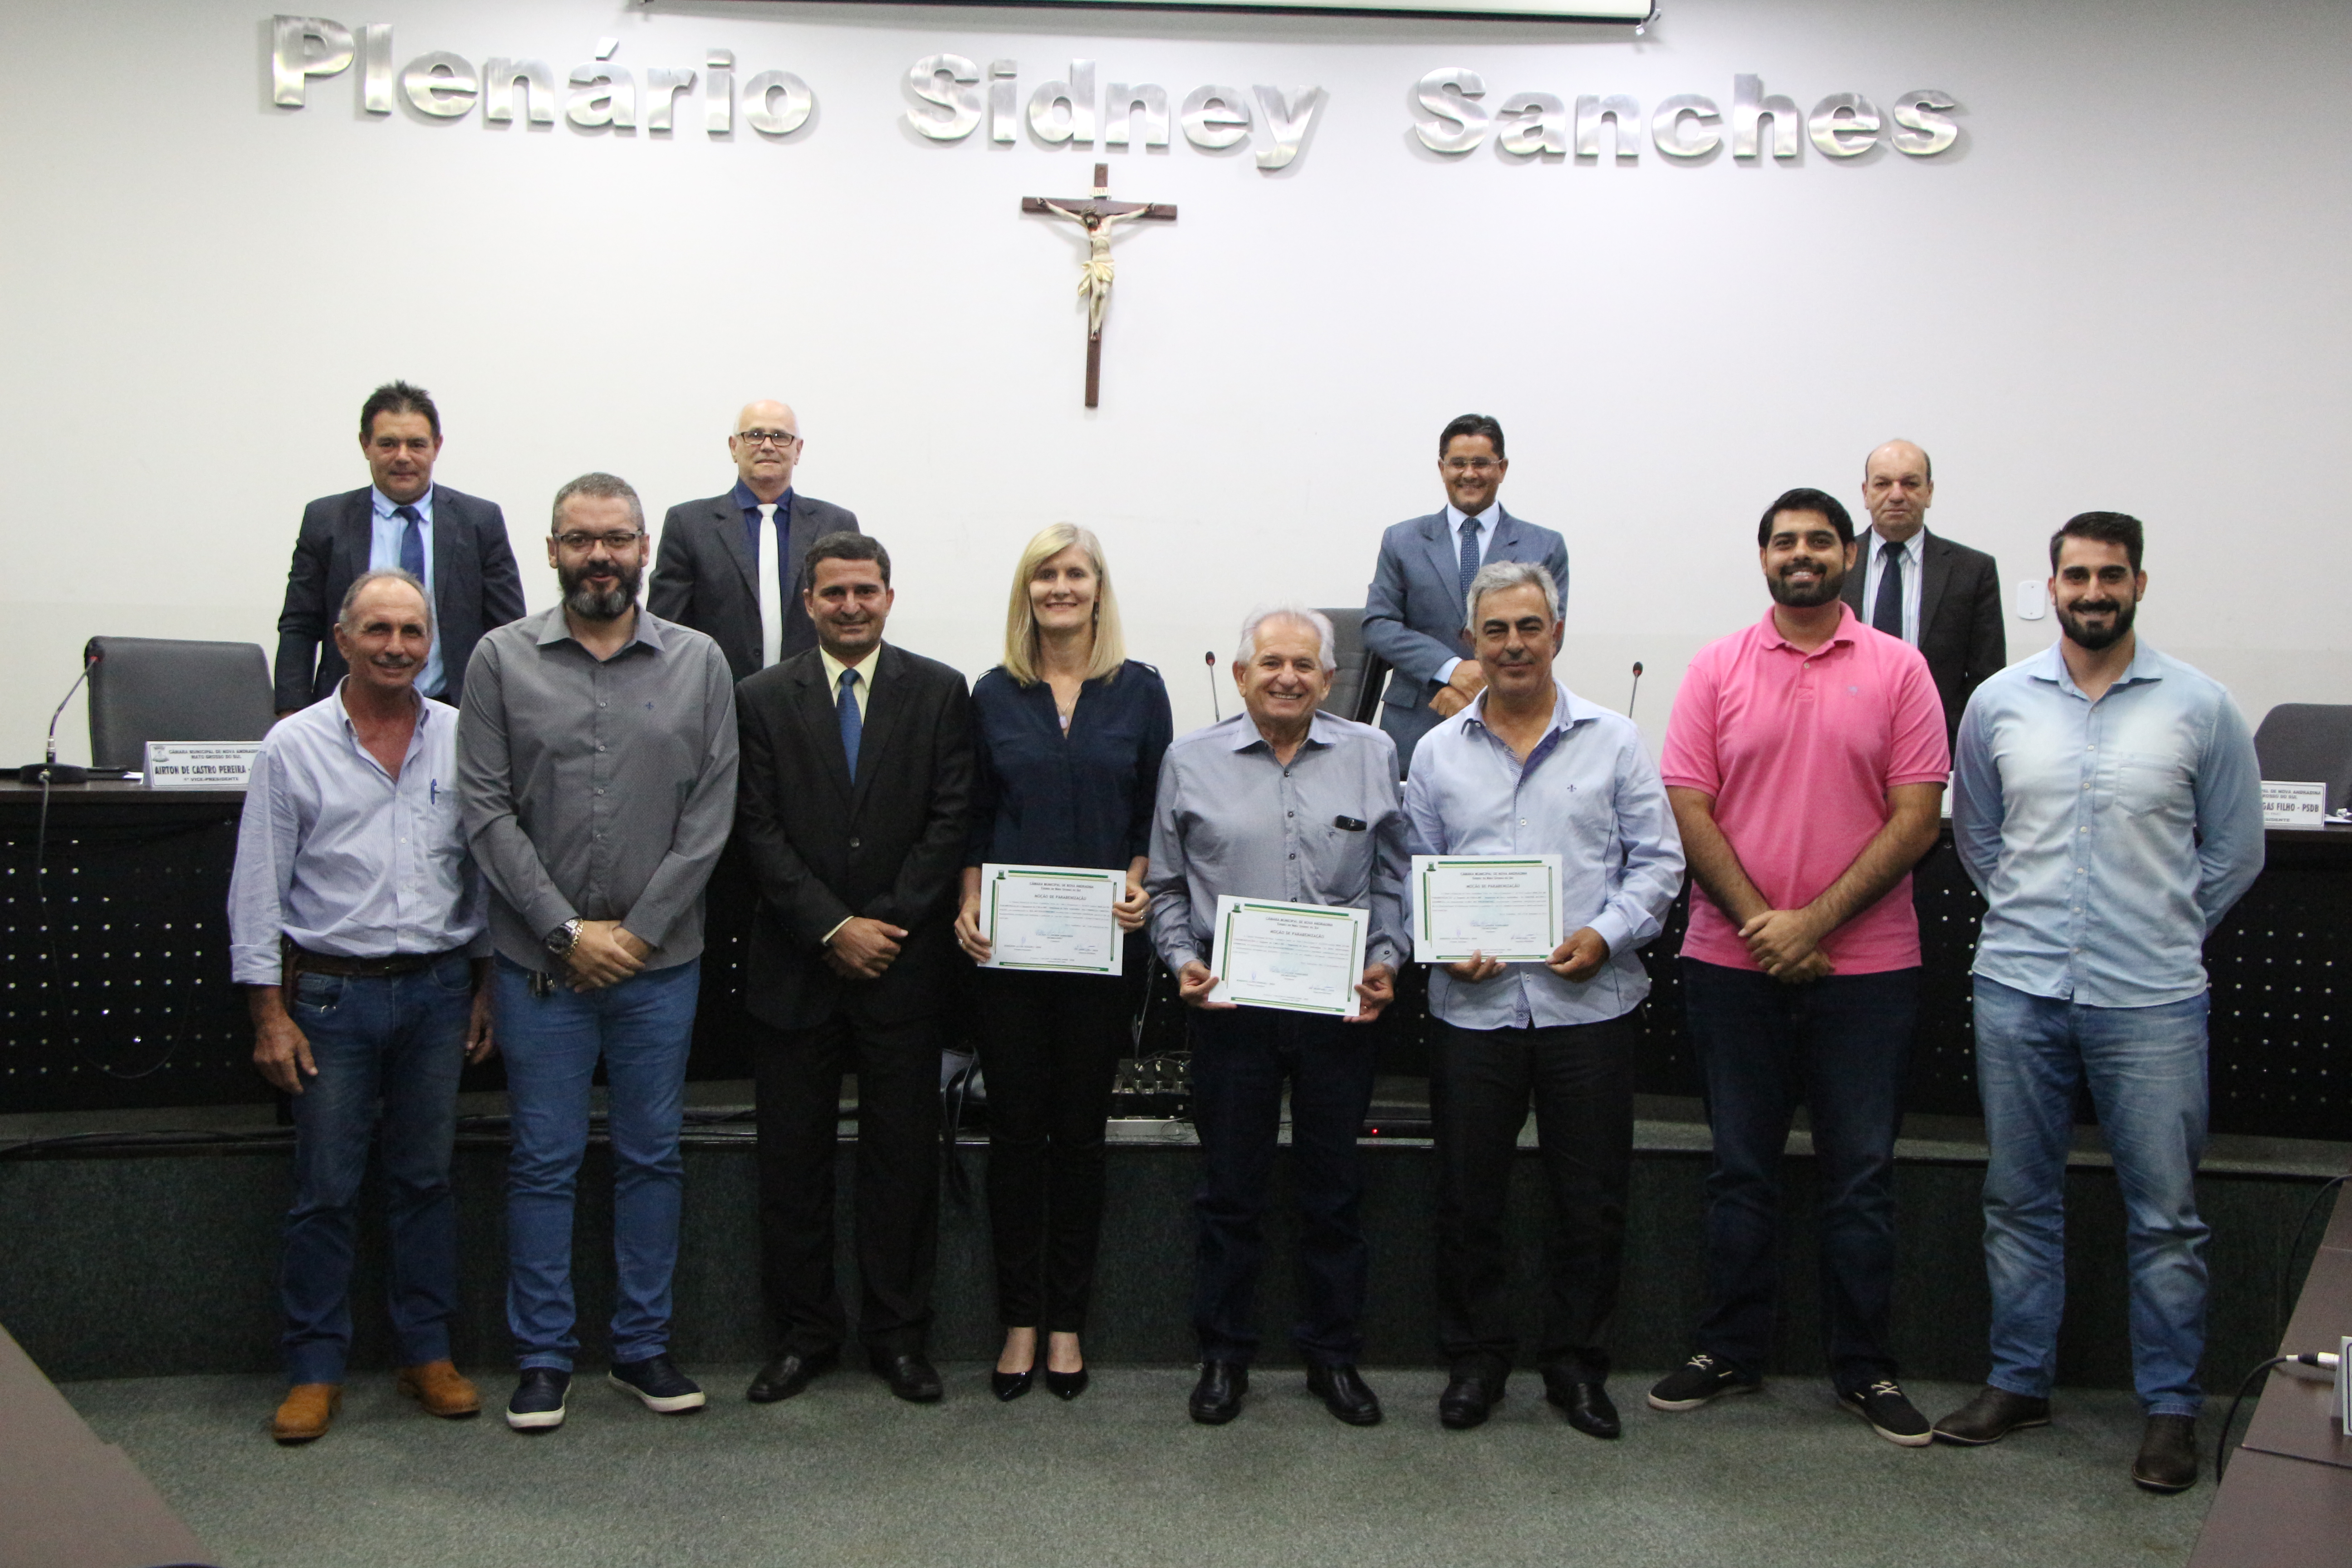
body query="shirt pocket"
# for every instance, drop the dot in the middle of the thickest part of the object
(2150, 783)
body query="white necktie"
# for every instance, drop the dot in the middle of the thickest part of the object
(772, 599)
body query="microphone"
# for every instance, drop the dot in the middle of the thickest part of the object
(1210, 659)
(50, 771)
(1637, 688)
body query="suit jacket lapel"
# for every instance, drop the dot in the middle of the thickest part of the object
(885, 704)
(1504, 535)
(446, 548)
(355, 543)
(1935, 573)
(1445, 550)
(814, 704)
(728, 523)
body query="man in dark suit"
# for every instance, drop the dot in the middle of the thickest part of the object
(1417, 606)
(1938, 596)
(721, 570)
(855, 788)
(453, 543)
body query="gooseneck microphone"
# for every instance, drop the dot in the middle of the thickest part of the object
(50, 771)
(1637, 688)
(1210, 659)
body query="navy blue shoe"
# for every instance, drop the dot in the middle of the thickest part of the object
(658, 1381)
(538, 1402)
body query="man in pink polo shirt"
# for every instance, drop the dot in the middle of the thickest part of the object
(1806, 764)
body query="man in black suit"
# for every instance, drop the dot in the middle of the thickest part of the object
(453, 543)
(855, 787)
(720, 570)
(1938, 596)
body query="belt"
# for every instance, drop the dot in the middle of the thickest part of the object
(300, 960)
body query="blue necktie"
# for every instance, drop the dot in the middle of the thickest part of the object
(1469, 552)
(1886, 616)
(852, 725)
(412, 543)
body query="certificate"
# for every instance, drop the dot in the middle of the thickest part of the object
(1503, 906)
(1304, 958)
(1051, 917)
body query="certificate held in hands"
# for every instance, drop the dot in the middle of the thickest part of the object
(1303, 958)
(1051, 917)
(1503, 907)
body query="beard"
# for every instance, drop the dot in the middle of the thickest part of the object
(589, 604)
(2095, 639)
(1825, 589)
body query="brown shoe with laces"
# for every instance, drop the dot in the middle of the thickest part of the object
(308, 1409)
(441, 1388)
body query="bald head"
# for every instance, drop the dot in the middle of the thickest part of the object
(766, 462)
(1898, 485)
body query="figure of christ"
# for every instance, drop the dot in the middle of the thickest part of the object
(1098, 215)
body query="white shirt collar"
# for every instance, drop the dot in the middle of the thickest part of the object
(1486, 520)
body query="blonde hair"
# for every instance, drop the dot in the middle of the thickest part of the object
(1021, 619)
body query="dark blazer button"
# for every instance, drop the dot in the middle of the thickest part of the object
(853, 843)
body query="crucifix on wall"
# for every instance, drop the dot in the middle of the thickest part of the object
(1098, 215)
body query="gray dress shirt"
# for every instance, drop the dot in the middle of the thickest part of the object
(602, 790)
(1233, 819)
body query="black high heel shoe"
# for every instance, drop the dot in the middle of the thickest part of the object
(1066, 1385)
(1011, 1386)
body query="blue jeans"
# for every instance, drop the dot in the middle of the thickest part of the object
(1840, 1046)
(642, 1028)
(2145, 1069)
(396, 1043)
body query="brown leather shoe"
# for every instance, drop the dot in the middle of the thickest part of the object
(308, 1410)
(2167, 1455)
(441, 1388)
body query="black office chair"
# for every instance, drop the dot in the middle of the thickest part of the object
(1356, 689)
(2308, 743)
(152, 688)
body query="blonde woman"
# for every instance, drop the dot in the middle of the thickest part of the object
(1068, 734)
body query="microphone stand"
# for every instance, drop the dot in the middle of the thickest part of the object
(50, 771)
(1210, 660)
(1637, 688)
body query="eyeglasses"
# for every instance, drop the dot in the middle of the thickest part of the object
(778, 438)
(1472, 465)
(619, 538)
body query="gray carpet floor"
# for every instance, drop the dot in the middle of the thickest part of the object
(845, 1474)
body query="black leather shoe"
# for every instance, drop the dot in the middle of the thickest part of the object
(1011, 1386)
(1991, 1416)
(1344, 1395)
(910, 1377)
(1217, 1398)
(1469, 1399)
(1066, 1385)
(1586, 1404)
(789, 1373)
(2167, 1455)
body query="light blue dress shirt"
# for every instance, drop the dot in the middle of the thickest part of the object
(333, 853)
(1232, 818)
(1589, 793)
(1914, 551)
(383, 555)
(2109, 838)
(1482, 528)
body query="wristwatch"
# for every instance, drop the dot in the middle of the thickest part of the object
(561, 940)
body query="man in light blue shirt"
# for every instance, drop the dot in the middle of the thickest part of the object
(357, 926)
(1530, 768)
(2108, 805)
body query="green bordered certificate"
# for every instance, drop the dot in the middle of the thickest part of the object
(1051, 917)
(1503, 906)
(1304, 958)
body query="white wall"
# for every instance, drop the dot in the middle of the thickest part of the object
(2123, 290)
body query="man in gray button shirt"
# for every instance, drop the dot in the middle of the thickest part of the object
(1281, 802)
(596, 767)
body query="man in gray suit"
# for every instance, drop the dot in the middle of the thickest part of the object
(1414, 612)
(1940, 596)
(730, 566)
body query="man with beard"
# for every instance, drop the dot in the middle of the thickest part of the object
(858, 770)
(596, 765)
(356, 927)
(2108, 805)
(1805, 762)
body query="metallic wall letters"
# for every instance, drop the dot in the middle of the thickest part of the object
(1667, 126)
(719, 92)
(1924, 131)
(1624, 117)
(1121, 100)
(1075, 97)
(601, 94)
(1004, 95)
(375, 67)
(765, 114)
(499, 80)
(1843, 124)
(662, 87)
(1214, 117)
(302, 47)
(958, 94)
(1748, 106)
(1288, 120)
(431, 92)
(1457, 122)
(1541, 128)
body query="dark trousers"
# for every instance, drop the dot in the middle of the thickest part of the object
(1579, 1078)
(1840, 1046)
(1049, 1048)
(1240, 1061)
(797, 1080)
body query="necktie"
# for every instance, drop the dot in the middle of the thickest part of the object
(772, 591)
(412, 542)
(852, 723)
(1886, 616)
(1469, 552)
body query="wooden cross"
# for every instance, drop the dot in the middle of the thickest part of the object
(1098, 214)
